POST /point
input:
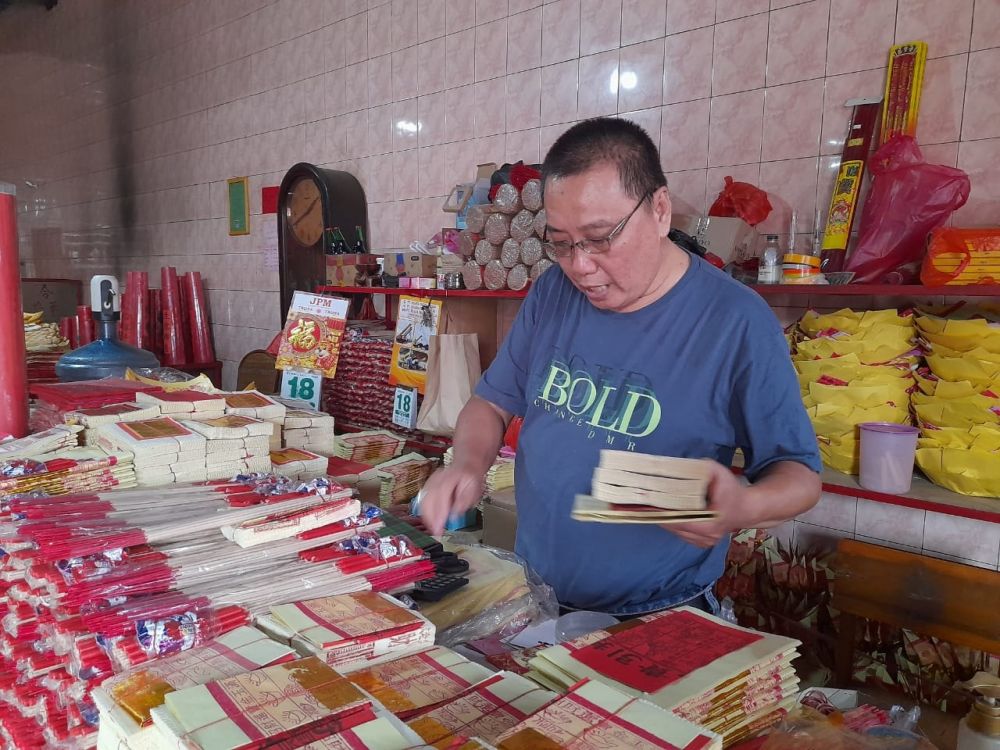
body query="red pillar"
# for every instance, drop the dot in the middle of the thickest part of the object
(13, 368)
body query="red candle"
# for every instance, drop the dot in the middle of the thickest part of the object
(201, 335)
(13, 371)
(173, 342)
(139, 298)
(86, 333)
(156, 319)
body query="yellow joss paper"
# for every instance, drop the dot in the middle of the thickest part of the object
(962, 470)
(979, 437)
(976, 372)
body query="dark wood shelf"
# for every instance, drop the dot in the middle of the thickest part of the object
(875, 290)
(483, 293)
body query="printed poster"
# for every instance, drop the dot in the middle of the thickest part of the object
(313, 329)
(417, 320)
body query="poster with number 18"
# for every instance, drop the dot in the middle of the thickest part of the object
(313, 329)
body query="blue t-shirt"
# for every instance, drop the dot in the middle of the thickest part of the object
(701, 371)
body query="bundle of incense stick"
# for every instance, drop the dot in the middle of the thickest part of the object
(234, 445)
(309, 430)
(638, 488)
(350, 630)
(369, 447)
(401, 478)
(91, 419)
(67, 471)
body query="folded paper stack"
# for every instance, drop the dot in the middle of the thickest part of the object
(484, 711)
(235, 445)
(126, 700)
(401, 478)
(299, 699)
(352, 630)
(91, 419)
(309, 430)
(296, 463)
(727, 679)
(258, 406)
(184, 404)
(594, 714)
(638, 488)
(500, 476)
(165, 450)
(409, 685)
(369, 447)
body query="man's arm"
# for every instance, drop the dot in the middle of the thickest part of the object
(453, 490)
(782, 491)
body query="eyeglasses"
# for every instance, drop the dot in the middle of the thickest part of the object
(590, 247)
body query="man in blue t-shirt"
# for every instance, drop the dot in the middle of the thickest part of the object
(631, 344)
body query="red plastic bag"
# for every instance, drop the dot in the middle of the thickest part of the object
(742, 200)
(909, 199)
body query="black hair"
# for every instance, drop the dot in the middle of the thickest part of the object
(608, 139)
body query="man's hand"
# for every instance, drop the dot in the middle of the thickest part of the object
(450, 491)
(728, 497)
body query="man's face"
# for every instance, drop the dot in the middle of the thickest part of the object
(589, 206)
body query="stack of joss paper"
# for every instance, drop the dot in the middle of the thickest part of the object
(593, 714)
(40, 443)
(53, 400)
(401, 478)
(350, 631)
(500, 476)
(727, 679)
(166, 452)
(309, 430)
(957, 403)
(297, 463)
(258, 406)
(93, 418)
(184, 404)
(293, 702)
(638, 488)
(854, 367)
(371, 447)
(234, 445)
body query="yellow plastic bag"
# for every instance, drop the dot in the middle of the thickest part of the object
(962, 470)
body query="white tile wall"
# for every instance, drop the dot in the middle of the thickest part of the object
(126, 116)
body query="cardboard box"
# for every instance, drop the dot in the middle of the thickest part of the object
(500, 520)
(350, 270)
(731, 239)
(409, 264)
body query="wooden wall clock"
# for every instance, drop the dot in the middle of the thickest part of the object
(310, 201)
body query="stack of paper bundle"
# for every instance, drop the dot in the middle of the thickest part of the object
(638, 488)
(258, 406)
(350, 472)
(500, 475)
(53, 400)
(186, 404)
(957, 404)
(484, 711)
(594, 710)
(309, 430)
(411, 684)
(299, 699)
(44, 345)
(725, 678)
(371, 447)
(40, 443)
(296, 463)
(234, 445)
(91, 419)
(854, 367)
(402, 478)
(350, 631)
(165, 450)
(126, 700)
(70, 470)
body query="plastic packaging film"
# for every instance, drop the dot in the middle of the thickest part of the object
(522, 226)
(467, 242)
(472, 275)
(494, 275)
(531, 251)
(540, 267)
(475, 218)
(510, 253)
(497, 228)
(508, 199)
(540, 223)
(485, 252)
(531, 195)
(517, 277)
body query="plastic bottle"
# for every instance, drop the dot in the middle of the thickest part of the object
(980, 729)
(769, 270)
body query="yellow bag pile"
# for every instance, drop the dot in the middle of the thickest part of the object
(854, 367)
(958, 405)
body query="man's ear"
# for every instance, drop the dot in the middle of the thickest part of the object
(662, 211)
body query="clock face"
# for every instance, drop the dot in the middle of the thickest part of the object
(305, 212)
